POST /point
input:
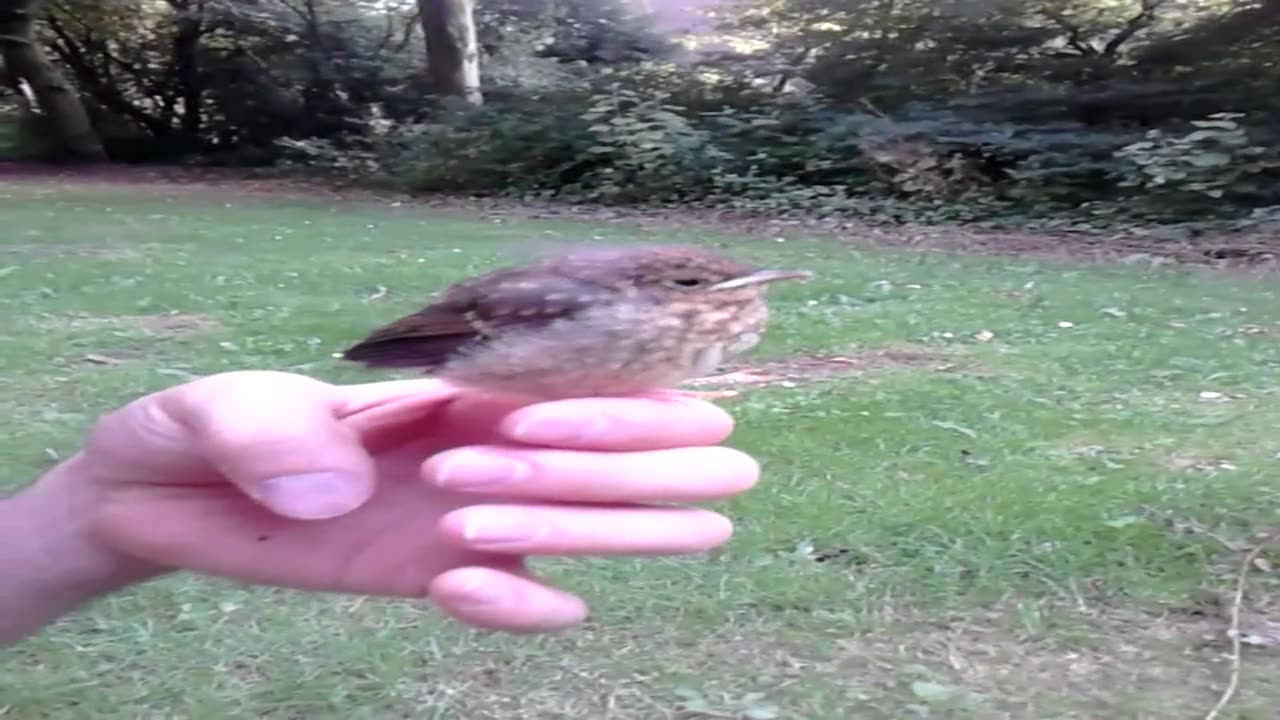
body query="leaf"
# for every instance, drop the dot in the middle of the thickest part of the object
(1210, 159)
(761, 712)
(693, 700)
(932, 692)
(945, 425)
(1266, 634)
(1223, 124)
(1123, 521)
(175, 372)
(689, 694)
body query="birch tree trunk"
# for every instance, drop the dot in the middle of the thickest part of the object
(453, 53)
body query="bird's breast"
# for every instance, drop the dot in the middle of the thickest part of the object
(720, 334)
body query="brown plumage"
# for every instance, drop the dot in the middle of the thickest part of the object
(596, 322)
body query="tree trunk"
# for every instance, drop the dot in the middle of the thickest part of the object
(71, 135)
(186, 63)
(453, 53)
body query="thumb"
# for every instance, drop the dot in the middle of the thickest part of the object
(276, 437)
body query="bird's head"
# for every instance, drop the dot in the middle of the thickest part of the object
(689, 271)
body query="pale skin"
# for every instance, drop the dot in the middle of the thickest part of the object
(409, 489)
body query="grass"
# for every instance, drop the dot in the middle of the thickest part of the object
(1024, 529)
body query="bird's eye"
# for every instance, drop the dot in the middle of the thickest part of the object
(687, 282)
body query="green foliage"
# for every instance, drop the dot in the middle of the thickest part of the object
(524, 146)
(780, 155)
(645, 148)
(11, 146)
(1214, 161)
(956, 110)
(22, 133)
(586, 31)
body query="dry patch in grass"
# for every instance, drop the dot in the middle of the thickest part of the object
(1115, 665)
(173, 324)
(1186, 462)
(1271, 331)
(996, 665)
(56, 250)
(168, 326)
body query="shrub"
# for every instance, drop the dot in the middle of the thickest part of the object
(1214, 161)
(521, 146)
(644, 136)
(22, 132)
(644, 149)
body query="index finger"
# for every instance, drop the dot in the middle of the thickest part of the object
(619, 424)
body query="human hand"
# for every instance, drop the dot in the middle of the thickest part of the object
(404, 488)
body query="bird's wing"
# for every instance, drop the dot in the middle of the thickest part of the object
(472, 312)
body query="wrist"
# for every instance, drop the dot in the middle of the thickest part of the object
(51, 558)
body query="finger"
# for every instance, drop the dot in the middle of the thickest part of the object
(387, 414)
(366, 398)
(278, 441)
(497, 600)
(578, 530)
(472, 418)
(691, 474)
(632, 423)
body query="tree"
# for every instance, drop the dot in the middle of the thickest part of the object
(453, 53)
(71, 135)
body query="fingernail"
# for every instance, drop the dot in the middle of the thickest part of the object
(503, 528)
(312, 496)
(475, 469)
(556, 427)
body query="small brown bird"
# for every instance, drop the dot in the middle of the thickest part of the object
(589, 323)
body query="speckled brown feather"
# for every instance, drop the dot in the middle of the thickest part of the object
(585, 323)
(475, 311)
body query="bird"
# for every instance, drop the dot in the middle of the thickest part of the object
(600, 322)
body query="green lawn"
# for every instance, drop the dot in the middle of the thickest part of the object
(1029, 526)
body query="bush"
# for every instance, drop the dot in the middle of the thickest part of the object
(644, 149)
(657, 135)
(22, 134)
(524, 145)
(1215, 161)
(10, 142)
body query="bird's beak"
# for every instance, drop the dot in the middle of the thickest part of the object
(762, 276)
